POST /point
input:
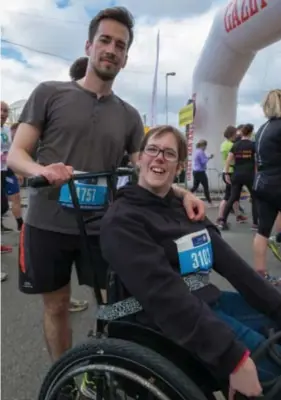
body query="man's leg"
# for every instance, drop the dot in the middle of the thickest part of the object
(57, 330)
(247, 324)
(45, 261)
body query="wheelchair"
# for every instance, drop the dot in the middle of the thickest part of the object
(130, 361)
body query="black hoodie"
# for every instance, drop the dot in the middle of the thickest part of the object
(138, 236)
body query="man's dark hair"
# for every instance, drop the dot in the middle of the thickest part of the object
(239, 127)
(119, 14)
(230, 132)
(78, 68)
(247, 129)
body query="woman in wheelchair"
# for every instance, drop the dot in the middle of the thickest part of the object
(164, 261)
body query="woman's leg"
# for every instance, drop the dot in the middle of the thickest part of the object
(205, 184)
(248, 324)
(249, 185)
(235, 193)
(274, 242)
(267, 214)
(196, 181)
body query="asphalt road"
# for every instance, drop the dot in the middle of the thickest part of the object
(24, 356)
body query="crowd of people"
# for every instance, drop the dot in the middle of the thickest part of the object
(251, 161)
(158, 222)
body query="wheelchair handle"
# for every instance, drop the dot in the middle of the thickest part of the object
(40, 181)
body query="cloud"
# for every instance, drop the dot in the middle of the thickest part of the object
(183, 25)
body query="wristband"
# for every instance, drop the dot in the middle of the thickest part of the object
(242, 361)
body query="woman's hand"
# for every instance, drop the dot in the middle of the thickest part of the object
(245, 380)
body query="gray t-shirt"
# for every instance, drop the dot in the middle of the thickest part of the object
(80, 130)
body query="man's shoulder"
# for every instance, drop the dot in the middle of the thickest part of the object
(54, 86)
(131, 110)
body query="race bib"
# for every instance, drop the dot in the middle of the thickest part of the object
(90, 195)
(195, 253)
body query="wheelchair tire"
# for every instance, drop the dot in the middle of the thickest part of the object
(130, 356)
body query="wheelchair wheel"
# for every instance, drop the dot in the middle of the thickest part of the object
(142, 373)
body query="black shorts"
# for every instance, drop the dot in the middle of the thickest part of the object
(4, 197)
(46, 259)
(267, 214)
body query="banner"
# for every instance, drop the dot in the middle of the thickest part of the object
(186, 115)
(190, 136)
(154, 90)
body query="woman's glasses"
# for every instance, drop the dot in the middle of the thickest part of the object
(168, 154)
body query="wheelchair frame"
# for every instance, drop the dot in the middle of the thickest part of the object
(143, 336)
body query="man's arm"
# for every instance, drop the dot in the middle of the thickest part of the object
(228, 162)
(195, 208)
(19, 159)
(32, 121)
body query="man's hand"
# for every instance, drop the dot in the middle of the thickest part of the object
(57, 174)
(195, 208)
(245, 381)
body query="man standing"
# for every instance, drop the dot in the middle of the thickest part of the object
(80, 126)
(10, 181)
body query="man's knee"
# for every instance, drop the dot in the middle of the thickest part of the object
(57, 303)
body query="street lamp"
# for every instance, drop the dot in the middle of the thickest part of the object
(166, 94)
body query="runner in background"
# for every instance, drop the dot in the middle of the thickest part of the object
(267, 185)
(230, 135)
(4, 199)
(199, 169)
(242, 155)
(11, 184)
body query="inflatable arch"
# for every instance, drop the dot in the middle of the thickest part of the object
(239, 31)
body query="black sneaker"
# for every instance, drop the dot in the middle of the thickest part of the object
(69, 392)
(224, 226)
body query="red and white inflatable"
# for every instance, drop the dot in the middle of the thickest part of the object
(239, 31)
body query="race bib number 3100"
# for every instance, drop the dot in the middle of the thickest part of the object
(195, 252)
(90, 196)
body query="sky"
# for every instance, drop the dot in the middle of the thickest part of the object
(40, 40)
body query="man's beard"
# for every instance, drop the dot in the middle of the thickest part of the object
(105, 75)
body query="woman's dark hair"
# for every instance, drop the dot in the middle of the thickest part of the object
(247, 129)
(162, 130)
(230, 132)
(119, 14)
(78, 68)
(201, 143)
